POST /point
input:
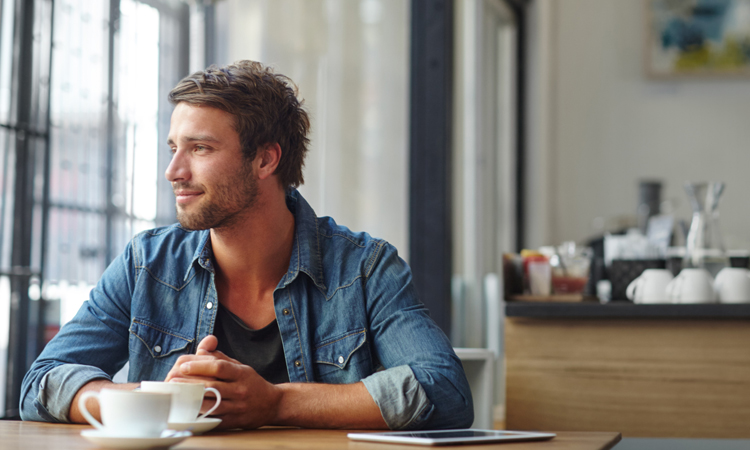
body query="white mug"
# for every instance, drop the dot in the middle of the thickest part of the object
(692, 285)
(650, 287)
(732, 285)
(128, 413)
(187, 399)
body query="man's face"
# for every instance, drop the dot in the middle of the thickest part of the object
(213, 183)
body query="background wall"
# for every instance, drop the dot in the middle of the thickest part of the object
(350, 60)
(597, 125)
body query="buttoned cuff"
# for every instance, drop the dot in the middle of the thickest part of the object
(400, 397)
(59, 386)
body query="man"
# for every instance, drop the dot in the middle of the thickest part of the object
(294, 319)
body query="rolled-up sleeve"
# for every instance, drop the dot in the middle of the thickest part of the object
(50, 400)
(400, 397)
(424, 385)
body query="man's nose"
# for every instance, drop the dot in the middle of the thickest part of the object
(179, 168)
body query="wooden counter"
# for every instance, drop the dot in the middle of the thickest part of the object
(645, 370)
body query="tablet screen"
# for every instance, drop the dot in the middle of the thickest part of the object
(448, 437)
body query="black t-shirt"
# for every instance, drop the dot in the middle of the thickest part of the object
(260, 349)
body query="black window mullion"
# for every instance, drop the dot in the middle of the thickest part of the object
(20, 333)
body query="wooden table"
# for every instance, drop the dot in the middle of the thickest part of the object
(15, 435)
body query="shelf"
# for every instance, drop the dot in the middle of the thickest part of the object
(556, 298)
(618, 310)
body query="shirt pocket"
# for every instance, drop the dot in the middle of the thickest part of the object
(158, 341)
(341, 359)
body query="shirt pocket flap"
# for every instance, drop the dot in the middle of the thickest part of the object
(337, 351)
(159, 341)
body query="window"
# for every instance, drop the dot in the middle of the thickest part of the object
(83, 154)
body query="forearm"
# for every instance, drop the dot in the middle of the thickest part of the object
(312, 405)
(424, 385)
(92, 405)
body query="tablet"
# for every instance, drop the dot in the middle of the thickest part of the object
(450, 437)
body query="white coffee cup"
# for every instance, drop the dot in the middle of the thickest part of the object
(732, 285)
(128, 413)
(692, 285)
(650, 287)
(187, 399)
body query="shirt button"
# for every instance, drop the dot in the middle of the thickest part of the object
(285, 311)
(157, 349)
(341, 360)
(297, 363)
(209, 305)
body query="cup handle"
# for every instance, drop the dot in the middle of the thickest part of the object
(82, 406)
(630, 291)
(216, 405)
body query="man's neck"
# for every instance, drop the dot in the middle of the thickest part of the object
(253, 255)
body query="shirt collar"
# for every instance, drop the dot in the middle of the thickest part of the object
(305, 249)
(203, 253)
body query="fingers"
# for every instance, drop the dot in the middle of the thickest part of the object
(207, 345)
(217, 355)
(180, 378)
(175, 370)
(215, 368)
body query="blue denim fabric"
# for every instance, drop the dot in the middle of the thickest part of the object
(346, 310)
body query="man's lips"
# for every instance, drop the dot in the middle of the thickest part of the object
(185, 196)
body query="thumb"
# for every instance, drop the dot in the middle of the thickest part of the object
(207, 345)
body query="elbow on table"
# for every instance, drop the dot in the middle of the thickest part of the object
(462, 405)
(28, 396)
(462, 415)
(452, 412)
(30, 408)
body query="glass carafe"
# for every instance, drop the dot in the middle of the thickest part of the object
(704, 246)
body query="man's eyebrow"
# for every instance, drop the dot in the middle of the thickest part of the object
(200, 137)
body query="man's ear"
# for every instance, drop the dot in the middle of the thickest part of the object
(268, 158)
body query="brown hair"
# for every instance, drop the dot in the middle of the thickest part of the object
(265, 106)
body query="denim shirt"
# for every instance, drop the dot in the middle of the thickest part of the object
(346, 308)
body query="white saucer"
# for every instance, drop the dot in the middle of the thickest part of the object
(197, 427)
(106, 440)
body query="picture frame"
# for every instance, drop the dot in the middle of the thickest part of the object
(697, 38)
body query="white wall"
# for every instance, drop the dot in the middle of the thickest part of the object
(597, 125)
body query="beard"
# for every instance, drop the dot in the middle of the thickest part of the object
(224, 205)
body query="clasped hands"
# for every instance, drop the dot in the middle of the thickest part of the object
(247, 400)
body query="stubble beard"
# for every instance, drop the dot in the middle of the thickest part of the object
(229, 199)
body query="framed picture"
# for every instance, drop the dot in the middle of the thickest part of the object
(697, 38)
